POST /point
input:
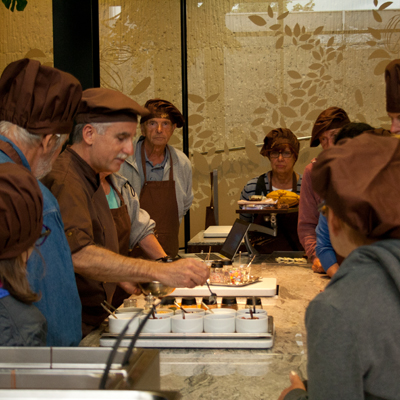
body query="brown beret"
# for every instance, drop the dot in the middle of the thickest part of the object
(21, 210)
(43, 100)
(331, 118)
(106, 105)
(163, 109)
(358, 178)
(392, 79)
(278, 137)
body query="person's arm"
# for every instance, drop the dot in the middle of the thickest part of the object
(324, 249)
(151, 246)
(103, 265)
(308, 215)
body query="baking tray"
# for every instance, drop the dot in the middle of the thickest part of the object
(198, 340)
(253, 279)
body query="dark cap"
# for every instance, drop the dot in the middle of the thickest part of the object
(106, 105)
(21, 210)
(278, 137)
(163, 109)
(358, 178)
(43, 100)
(392, 79)
(331, 118)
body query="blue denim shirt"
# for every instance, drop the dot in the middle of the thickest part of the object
(324, 249)
(51, 273)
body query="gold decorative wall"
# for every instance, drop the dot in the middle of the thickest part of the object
(26, 33)
(252, 66)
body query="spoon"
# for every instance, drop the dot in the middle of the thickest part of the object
(208, 308)
(213, 298)
(112, 313)
(183, 310)
(254, 305)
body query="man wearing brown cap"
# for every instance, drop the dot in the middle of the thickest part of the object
(353, 326)
(325, 128)
(392, 80)
(160, 174)
(102, 140)
(37, 108)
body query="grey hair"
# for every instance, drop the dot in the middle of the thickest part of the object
(100, 127)
(21, 135)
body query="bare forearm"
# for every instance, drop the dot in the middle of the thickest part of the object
(332, 270)
(151, 246)
(104, 265)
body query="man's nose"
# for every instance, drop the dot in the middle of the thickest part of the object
(395, 128)
(128, 148)
(159, 128)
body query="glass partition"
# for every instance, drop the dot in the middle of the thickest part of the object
(252, 66)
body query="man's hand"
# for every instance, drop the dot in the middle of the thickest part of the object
(130, 288)
(296, 383)
(183, 273)
(317, 267)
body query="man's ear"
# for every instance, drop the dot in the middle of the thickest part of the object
(88, 134)
(335, 227)
(47, 144)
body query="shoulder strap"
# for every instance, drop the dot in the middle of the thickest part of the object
(294, 184)
(260, 186)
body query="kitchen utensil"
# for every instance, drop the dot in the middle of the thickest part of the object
(183, 310)
(213, 297)
(157, 289)
(208, 308)
(112, 313)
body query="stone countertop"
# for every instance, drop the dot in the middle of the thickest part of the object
(247, 374)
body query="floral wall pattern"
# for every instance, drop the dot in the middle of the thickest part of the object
(252, 66)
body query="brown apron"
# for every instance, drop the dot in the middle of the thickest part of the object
(7, 149)
(287, 238)
(159, 200)
(122, 223)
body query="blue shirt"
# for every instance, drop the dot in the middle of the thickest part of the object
(51, 273)
(324, 249)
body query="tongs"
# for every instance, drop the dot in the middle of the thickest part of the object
(106, 305)
(183, 310)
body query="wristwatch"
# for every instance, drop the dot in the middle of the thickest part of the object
(165, 259)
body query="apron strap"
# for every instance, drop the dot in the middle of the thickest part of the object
(171, 171)
(121, 199)
(10, 152)
(260, 186)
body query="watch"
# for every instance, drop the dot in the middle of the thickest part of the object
(165, 259)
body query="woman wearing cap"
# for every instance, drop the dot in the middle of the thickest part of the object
(353, 326)
(282, 148)
(21, 208)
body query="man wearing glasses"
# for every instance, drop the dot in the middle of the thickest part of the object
(282, 148)
(37, 109)
(160, 174)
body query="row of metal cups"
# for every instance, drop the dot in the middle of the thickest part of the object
(196, 321)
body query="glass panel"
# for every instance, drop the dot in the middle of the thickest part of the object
(26, 33)
(258, 65)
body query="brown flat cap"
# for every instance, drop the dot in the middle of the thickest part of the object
(278, 137)
(43, 100)
(392, 79)
(331, 118)
(358, 178)
(21, 210)
(163, 109)
(106, 105)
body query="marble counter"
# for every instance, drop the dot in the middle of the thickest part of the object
(247, 374)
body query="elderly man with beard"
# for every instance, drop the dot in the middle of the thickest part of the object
(102, 140)
(37, 109)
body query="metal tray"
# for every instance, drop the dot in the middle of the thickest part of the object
(199, 340)
(253, 279)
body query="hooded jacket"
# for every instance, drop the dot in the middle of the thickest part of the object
(353, 329)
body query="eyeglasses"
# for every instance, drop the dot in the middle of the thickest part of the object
(43, 236)
(285, 154)
(323, 209)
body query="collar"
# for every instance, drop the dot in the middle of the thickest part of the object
(86, 169)
(20, 153)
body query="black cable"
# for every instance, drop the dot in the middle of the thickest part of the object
(111, 357)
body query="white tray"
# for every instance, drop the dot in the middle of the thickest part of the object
(198, 340)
